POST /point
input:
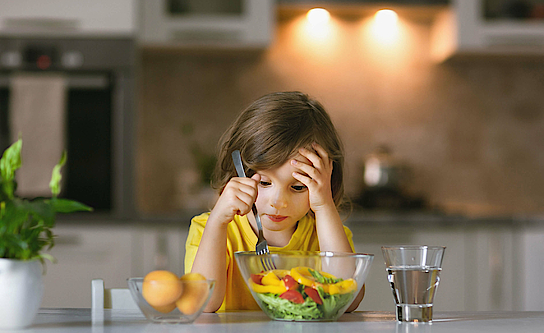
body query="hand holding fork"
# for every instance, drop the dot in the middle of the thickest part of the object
(262, 246)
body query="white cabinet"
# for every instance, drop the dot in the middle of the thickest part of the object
(491, 263)
(84, 253)
(463, 29)
(378, 295)
(67, 17)
(487, 266)
(531, 265)
(481, 267)
(158, 248)
(113, 253)
(247, 23)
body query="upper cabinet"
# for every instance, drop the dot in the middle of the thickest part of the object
(82, 18)
(489, 27)
(215, 23)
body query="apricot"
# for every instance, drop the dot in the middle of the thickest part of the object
(195, 292)
(161, 289)
(165, 309)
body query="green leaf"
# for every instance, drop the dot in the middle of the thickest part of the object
(283, 309)
(26, 225)
(56, 176)
(42, 210)
(321, 279)
(68, 206)
(10, 161)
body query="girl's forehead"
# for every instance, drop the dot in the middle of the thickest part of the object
(296, 156)
(286, 166)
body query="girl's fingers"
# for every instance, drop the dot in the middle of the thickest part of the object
(242, 193)
(310, 170)
(316, 160)
(319, 158)
(307, 181)
(247, 185)
(321, 152)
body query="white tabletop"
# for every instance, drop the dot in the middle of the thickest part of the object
(84, 320)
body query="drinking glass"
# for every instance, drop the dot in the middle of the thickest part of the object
(414, 274)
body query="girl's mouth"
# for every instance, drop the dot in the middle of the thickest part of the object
(276, 218)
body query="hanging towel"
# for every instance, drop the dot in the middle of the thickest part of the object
(37, 114)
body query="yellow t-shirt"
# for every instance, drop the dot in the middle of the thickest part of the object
(240, 237)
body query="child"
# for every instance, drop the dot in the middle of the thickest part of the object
(294, 157)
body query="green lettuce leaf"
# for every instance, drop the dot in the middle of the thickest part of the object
(322, 279)
(333, 303)
(283, 309)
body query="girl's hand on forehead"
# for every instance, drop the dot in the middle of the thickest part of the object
(237, 198)
(315, 173)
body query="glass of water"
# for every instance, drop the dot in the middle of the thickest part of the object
(414, 274)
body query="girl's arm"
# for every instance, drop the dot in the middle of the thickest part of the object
(317, 177)
(330, 230)
(210, 260)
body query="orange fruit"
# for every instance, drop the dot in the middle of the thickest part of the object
(195, 292)
(161, 289)
(165, 309)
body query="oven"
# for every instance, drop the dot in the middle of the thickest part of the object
(98, 113)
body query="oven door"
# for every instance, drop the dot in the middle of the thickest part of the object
(88, 175)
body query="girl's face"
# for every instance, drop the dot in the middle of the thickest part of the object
(282, 200)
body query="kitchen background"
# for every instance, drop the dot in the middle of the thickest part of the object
(469, 130)
(455, 102)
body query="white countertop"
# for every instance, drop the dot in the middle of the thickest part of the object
(84, 320)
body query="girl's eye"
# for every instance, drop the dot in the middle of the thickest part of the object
(299, 188)
(264, 183)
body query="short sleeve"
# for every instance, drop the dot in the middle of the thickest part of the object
(349, 235)
(194, 236)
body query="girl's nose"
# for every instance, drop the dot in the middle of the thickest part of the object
(278, 200)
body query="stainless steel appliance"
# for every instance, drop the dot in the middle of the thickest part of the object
(99, 119)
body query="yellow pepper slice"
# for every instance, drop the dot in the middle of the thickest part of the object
(342, 287)
(281, 273)
(262, 289)
(270, 279)
(303, 276)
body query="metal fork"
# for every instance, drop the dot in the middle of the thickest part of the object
(262, 246)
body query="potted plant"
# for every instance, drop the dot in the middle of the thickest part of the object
(25, 230)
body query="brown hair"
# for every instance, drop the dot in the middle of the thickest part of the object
(270, 131)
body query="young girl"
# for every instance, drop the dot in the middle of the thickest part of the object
(294, 157)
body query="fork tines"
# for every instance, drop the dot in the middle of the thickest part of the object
(262, 249)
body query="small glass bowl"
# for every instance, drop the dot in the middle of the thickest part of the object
(174, 316)
(352, 268)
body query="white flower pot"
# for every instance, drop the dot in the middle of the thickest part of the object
(21, 291)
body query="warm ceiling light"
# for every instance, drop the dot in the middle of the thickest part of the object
(318, 16)
(386, 16)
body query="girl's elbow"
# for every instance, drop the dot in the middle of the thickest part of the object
(357, 300)
(212, 306)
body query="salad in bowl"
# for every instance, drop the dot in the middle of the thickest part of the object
(304, 286)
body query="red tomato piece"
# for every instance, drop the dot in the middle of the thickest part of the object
(313, 294)
(293, 296)
(290, 282)
(257, 278)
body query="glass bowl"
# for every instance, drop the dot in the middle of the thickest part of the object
(186, 309)
(304, 286)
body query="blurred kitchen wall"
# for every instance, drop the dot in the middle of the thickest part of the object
(470, 129)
